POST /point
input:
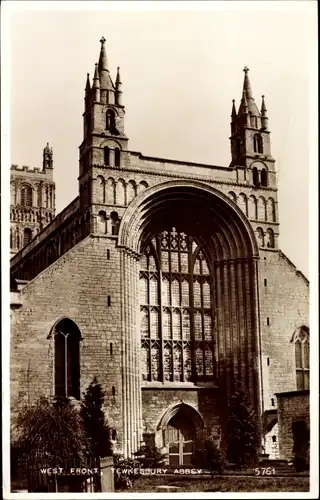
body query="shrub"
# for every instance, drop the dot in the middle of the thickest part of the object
(243, 431)
(213, 457)
(96, 429)
(124, 472)
(149, 456)
(52, 429)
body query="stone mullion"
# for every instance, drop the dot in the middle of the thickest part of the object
(201, 301)
(182, 343)
(202, 318)
(241, 320)
(149, 320)
(171, 306)
(191, 304)
(161, 327)
(180, 306)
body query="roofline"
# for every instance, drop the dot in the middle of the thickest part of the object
(298, 272)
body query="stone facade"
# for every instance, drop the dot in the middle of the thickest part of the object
(32, 201)
(86, 266)
(292, 407)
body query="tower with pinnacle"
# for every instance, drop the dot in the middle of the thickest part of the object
(32, 205)
(104, 140)
(250, 138)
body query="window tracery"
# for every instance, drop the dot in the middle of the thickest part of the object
(301, 344)
(175, 310)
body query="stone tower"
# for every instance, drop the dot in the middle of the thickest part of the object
(250, 138)
(104, 141)
(32, 201)
(251, 158)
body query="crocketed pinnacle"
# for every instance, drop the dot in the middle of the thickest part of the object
(247, 103)
(88, 87)
(96, 78)
(105, 79)
(118, 79)
(103, 62)
(246, 84)
(88, 82)
(264, 118)
(233, 112)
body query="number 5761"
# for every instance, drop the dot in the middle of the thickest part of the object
(264, 471)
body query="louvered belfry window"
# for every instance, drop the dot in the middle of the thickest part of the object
(175, 310)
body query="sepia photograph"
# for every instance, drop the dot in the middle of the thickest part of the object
(159, 251)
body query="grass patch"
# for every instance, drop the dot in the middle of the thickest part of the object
(158, 484)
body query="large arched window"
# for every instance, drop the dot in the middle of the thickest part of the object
(301, 345)
(175, 310)
(67, 359)
(26, 196)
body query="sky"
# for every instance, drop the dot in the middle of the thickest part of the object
(181, 65)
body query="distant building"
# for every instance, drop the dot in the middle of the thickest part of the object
(164, 280)
(32, 201)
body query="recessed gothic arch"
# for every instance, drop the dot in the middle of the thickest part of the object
(187, 409)
(234, 236)
(216, 224)
(180, 430)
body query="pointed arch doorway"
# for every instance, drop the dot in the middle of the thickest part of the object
(181, 430)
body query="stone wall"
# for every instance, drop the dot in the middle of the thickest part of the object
(292, 406)
(284, 307)
(76, 286)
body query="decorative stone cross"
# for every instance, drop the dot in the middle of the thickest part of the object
(246, 69)
(102, 40)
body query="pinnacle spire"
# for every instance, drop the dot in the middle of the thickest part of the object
(118, 78)
(96, 78)
(233, 111)
(246, 83)
(88, 82)
(264, 118)
(88, 87)
(105, 79)
(96, 84)
(248, 104)
(103, 62)
(47, 157)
